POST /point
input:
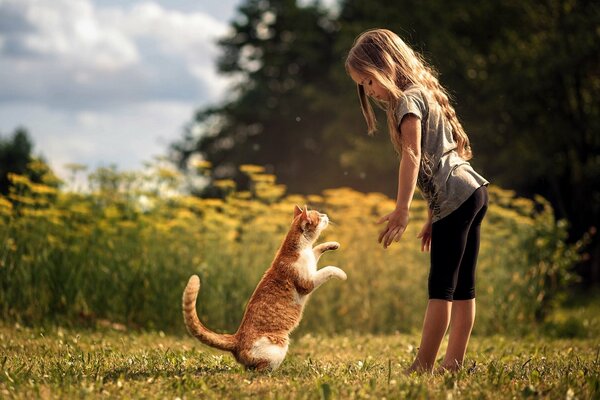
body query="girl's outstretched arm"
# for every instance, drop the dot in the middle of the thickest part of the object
(410, 131)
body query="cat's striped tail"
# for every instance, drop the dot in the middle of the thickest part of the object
(193, 324)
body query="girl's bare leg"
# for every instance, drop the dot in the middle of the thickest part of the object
(463, 317)
(435, 324)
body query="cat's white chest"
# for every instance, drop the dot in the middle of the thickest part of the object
(307, 263)
(306, 267)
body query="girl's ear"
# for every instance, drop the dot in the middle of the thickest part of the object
(297, 211)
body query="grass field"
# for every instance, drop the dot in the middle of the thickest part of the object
(56, 363)
(107, 266)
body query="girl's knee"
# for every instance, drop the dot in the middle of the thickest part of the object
(440, 292)
(464, 294)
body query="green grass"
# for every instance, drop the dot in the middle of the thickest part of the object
(56, 363)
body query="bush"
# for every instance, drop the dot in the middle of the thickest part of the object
(123, 251)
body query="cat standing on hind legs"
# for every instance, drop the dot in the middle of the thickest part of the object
(275, 308)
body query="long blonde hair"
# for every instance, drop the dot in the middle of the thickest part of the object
(383, 56)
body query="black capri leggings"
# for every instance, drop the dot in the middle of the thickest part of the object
(454, 249)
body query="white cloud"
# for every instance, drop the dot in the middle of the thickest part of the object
(97, 84)
(71, 53)
(71, 31)
(190, 36)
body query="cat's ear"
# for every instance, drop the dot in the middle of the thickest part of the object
(297, 211)
(304, 220)
(305, 212)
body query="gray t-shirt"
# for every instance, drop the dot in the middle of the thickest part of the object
(445, 179)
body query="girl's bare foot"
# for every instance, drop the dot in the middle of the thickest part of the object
(418, 368)
(442, 369)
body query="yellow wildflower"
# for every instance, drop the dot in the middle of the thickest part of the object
(252, 169)
(43, 189)
(225, 184)
(17, 179)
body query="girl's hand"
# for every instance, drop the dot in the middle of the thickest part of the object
(425, 236)
(397, 223)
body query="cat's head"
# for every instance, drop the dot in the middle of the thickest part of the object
(310, 223)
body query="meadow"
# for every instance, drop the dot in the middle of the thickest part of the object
(122, 251)
(62, 363)
(91, 283)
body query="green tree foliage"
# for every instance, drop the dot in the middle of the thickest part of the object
(16, 158)
(15, 154)
(542, 76)
(282, 52)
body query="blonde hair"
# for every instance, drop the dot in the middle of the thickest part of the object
(381, 55)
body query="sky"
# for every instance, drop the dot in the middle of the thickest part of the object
(101, 82)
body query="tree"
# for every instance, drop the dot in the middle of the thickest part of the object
(550, 112)
(282, 51)
(15, 154)
(15, 157)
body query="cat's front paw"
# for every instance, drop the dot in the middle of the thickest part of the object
(340, 274)
(332, 245)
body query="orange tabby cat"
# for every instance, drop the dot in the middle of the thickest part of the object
(276, 305)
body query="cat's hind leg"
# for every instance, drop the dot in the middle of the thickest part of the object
(267, 355)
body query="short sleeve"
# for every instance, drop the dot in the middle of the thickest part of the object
(410, 103)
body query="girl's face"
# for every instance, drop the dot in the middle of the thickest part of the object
(371, 86)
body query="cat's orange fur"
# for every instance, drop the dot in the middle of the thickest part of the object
(276, 305)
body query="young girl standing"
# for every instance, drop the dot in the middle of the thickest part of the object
(434, 150)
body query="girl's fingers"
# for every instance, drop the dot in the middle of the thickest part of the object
(382, 234)
(426, 230)
(386, 239)
(398, 236)
(389, 234)
(392, 233)
(389, 239)
(426, 242)
(383, 219)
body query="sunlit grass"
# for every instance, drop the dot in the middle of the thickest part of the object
(62, 363)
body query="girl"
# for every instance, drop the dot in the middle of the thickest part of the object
(434, 150)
